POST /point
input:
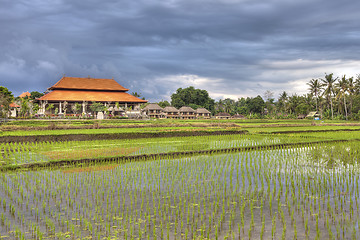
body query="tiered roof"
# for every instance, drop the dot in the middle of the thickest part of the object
(89, 89)
(76, 83)
(90, 96)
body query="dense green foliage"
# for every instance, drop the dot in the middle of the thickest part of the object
(6, 97)
(35, 95)
(192, 97)
(333, 97)
(97, 107)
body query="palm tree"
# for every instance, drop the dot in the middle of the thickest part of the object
(315, 88)
(351, 91)
(343, 87)
(357, 85)
(328, 84)
(219, 106)
(282, 101)
(229, 105)
(293, 103)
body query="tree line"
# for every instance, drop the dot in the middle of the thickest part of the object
(332, 97)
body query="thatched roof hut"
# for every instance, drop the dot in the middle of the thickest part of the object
(153, 106)
(170, 109)
(203, 111)
(222, 115)
(185, 109)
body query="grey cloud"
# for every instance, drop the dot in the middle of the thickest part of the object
(140, 43)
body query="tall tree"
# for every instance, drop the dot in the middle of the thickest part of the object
(328, 84)
(24, 107)
(357, 85)
(315, 88)
(163, 103)
(6, 98)
(256, 104)
(219, 106)
(229, 105)
(138, 95)
(343, 87)
(35, 95)
(190, 95)
(351, 91)
(282, 101)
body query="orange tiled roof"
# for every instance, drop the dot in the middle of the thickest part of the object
(68, 95)
(14, 105)
(24, 94)
(88, 84)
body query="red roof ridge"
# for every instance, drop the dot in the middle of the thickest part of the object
(89, 96)
(24, 94)
(88, 83)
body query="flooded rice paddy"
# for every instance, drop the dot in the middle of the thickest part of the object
(299, 193)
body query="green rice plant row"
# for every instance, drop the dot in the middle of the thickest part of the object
(310, 192)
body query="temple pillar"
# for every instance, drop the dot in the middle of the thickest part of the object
(43, 106)
(84, 107)
(60, 108)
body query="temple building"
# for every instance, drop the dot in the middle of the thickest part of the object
(74, 95)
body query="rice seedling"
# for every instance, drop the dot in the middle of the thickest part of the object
(299, 192)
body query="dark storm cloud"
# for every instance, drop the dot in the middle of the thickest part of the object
(231, 48)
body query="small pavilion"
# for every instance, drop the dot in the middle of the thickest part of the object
(71, 91)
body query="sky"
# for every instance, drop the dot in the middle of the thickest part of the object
(231, 48)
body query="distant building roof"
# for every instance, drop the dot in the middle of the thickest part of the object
(89, 89)
(88, 84)
(152, 106)
(97, 96)
(14, 105)
(202, 110)
(170, 109)
(24, 94)
(186, 109)
(223, 114)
